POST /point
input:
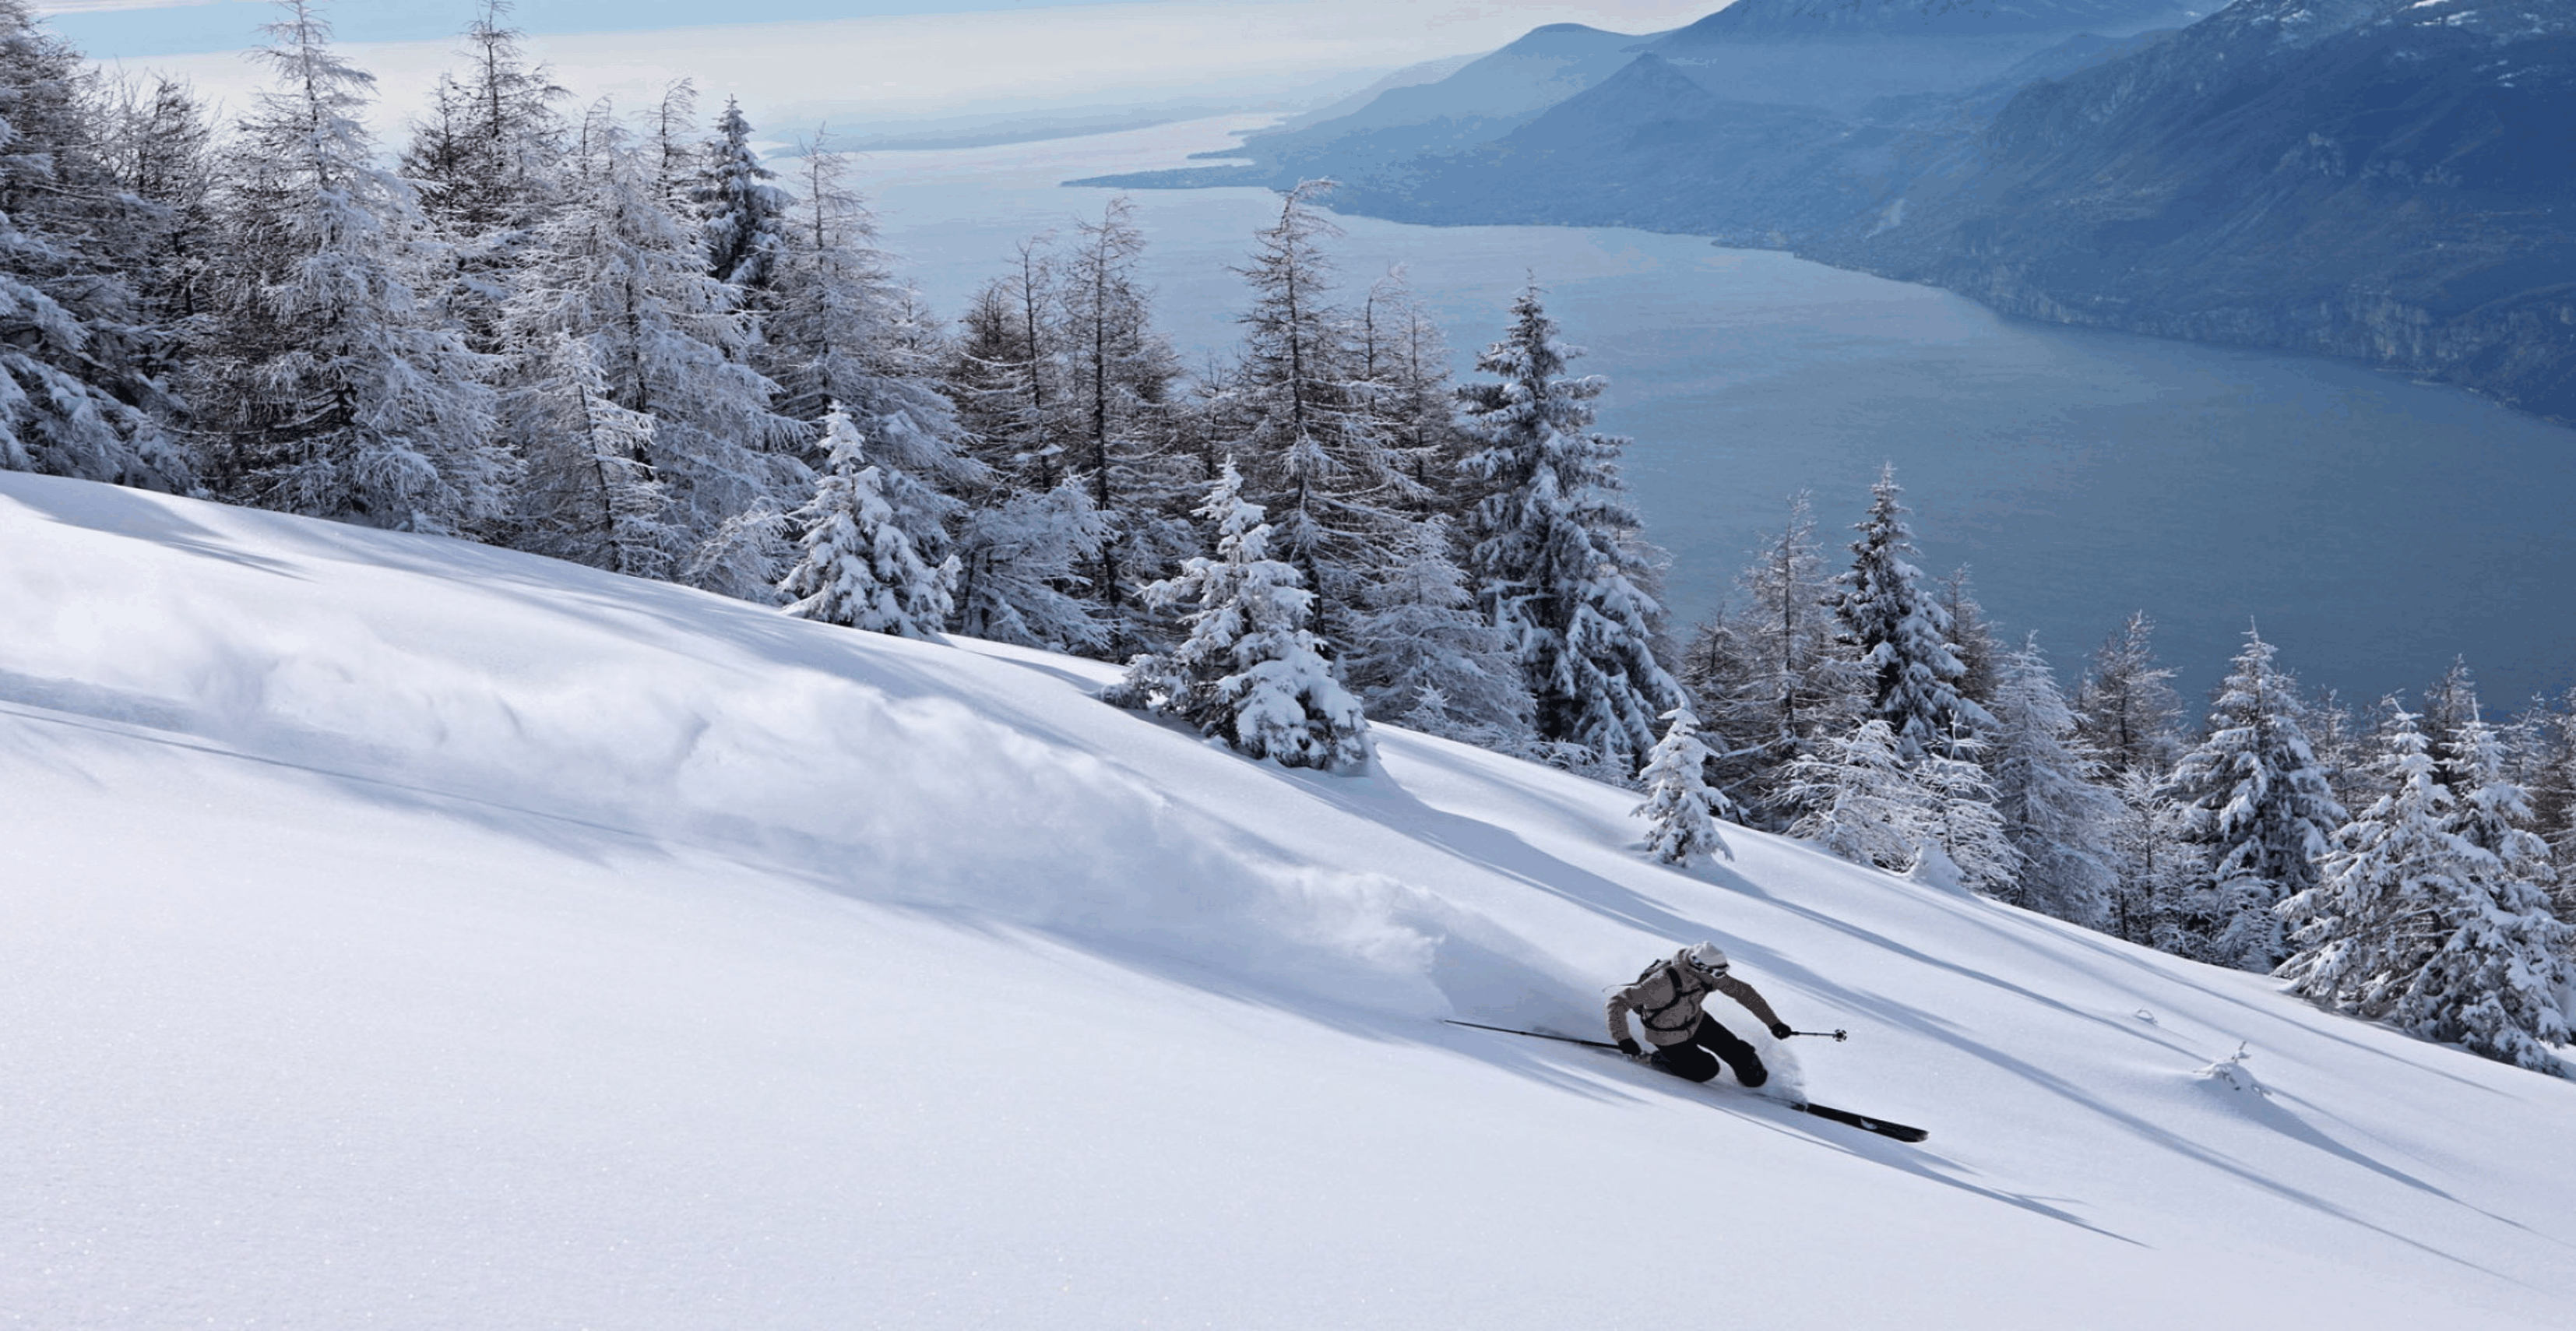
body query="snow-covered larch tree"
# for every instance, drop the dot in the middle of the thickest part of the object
(1020, 570)
(1554, 557)
(1860, 800)
(837, 331)
(1251, 671)
(617, 269)
(860, 568)
(1118, 374)
(321, 384)
(2054, 811)
(2417, 924)
(78, 395)
(2128, 716)
(1958, 817)
(2255, 811)
(1424, 657)
(1680, 809)
(1302, 419)
(1901, 633)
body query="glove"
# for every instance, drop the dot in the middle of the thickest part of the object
(1780, 1030)
(1629, 1047)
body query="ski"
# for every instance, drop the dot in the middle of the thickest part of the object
(1883, 1127)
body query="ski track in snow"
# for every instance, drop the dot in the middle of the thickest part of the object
(414, 934)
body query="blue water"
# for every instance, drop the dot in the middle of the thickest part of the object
(2375, 528)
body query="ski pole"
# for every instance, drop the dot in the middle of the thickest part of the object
(1835, 1036)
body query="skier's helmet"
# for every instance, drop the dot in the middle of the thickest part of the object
(1706, 958)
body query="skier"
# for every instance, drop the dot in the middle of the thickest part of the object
(1689, 1043)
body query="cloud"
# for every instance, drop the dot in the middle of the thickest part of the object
(97, 6)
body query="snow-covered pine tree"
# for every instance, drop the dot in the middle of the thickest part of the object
(616, 269)
(860, 568)
(1859, 800)
(1303, 422)
(1555, 558)
(1118, 378)
(1424, 656)
(1901, 633)
(321, 385)
(1680, 809)
(78, 396)
(743, 216)
(2429, 915)
(1251, 670)
(2255, 812)
(2055, 813)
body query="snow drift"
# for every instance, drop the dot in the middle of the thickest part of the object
(410, 933)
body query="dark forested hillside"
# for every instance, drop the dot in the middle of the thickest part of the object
(2389, 180)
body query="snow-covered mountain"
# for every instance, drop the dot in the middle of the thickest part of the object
(415, 934)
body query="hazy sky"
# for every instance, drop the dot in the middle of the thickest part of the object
(866, 63)
(131, 28)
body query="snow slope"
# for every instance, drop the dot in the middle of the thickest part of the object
(405, 933)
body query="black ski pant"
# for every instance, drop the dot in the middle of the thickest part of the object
(1697, 1057)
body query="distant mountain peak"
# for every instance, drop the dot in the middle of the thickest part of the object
(1843, 20)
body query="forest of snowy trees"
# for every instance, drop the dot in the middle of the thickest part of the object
(616, 335)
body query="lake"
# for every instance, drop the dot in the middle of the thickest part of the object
(2375, 528)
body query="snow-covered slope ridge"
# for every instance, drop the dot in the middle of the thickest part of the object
(405, 933)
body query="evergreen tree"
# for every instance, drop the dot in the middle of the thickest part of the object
(860, 568)
(1555, 558)
(1251, 670)
(1679, 805)
(744, 215)
(2429, 917)
(1427, 659)
(321, 383)
(1902, 634)
(78, 393)
(2054, 812)
(1303, 420)
(2255, 810)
